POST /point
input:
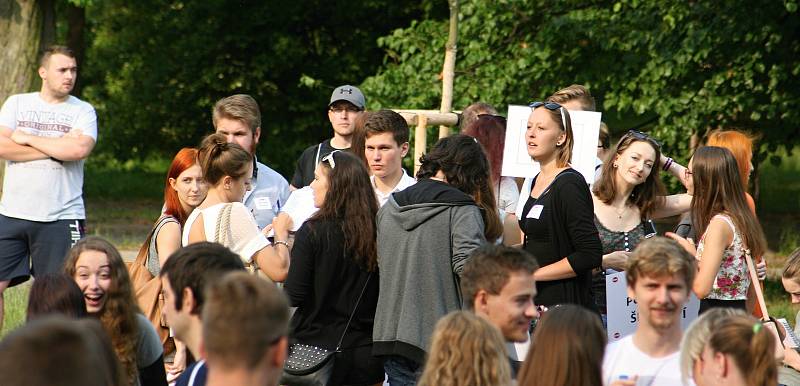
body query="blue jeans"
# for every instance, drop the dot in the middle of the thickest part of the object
(402, 371)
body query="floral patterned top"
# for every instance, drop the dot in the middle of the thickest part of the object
(732, 279)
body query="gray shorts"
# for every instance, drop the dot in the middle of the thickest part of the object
(32, 248)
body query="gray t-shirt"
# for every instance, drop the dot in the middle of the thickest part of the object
(148, 347)
(47, 189)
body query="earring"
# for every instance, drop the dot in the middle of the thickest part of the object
(614, 165)
(558, 143)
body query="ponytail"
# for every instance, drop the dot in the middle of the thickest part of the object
(218, 158)
(750, 345)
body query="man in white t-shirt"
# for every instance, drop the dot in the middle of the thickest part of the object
(660, 275)
(385, 146)
(44, 137)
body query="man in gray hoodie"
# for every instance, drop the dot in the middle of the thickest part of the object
(426, 233)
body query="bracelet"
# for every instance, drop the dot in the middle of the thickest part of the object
(281, 242)
(668, 163)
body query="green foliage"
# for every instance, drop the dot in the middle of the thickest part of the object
(154, 68)
(685, 66)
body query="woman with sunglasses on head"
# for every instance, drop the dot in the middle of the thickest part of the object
(628, 195)
(222, 217)
(729, 231)
(556, 218)
(334, 271)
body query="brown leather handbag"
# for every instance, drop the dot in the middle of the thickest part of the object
(147, 289)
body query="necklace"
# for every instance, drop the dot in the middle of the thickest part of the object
(622, 212)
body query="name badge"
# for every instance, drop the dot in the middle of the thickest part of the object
(263, 203)
(535, 212)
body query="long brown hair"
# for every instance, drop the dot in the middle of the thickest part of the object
(647, 196)
(750, 345)
(118, 315)
(351, 202)
(463, 161)
(566, 349)
(466, 350)
(718, 189)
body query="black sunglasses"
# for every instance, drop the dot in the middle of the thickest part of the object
(643, 137)
(552, 106)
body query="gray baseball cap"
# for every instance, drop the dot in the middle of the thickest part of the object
(348, 93)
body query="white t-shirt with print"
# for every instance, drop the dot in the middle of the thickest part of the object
(47, 189)
(624, 359)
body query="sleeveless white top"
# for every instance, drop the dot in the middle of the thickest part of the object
(242, 235)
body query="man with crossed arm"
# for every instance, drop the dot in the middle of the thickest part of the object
(44, 137)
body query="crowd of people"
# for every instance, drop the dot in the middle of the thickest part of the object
(356, 273)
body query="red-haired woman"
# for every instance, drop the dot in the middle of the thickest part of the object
(184, 190)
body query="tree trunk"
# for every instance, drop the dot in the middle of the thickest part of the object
(20, 32)
(76, 25)
(448, 71)
(21, 22)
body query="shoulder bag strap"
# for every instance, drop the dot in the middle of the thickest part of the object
(347, 326)
(754, 282)
(223, 224)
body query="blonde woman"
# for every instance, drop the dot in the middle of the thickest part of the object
(466, 350)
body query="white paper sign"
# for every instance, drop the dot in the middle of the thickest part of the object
(585, 130)
(623, 313)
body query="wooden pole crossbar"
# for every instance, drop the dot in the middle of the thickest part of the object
(420, 119)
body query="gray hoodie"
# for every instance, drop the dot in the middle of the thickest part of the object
(426, 233)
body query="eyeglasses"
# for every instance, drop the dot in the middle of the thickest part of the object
(339, 110)
(643, 137)
(329, 159)
(552, 106)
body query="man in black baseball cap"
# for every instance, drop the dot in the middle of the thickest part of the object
(347, 103)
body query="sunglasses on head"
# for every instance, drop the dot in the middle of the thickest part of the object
(329, 159)
(643, 137)
(552, 106)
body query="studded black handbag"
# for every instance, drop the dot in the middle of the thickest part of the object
(309, 365)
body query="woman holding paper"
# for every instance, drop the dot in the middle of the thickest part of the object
(556, 219)
(627, 196)
(730, 232)
(222, 217)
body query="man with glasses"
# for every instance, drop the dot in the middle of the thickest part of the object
(347, 103)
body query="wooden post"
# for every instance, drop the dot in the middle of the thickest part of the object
(420, 139)
(448, 71)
